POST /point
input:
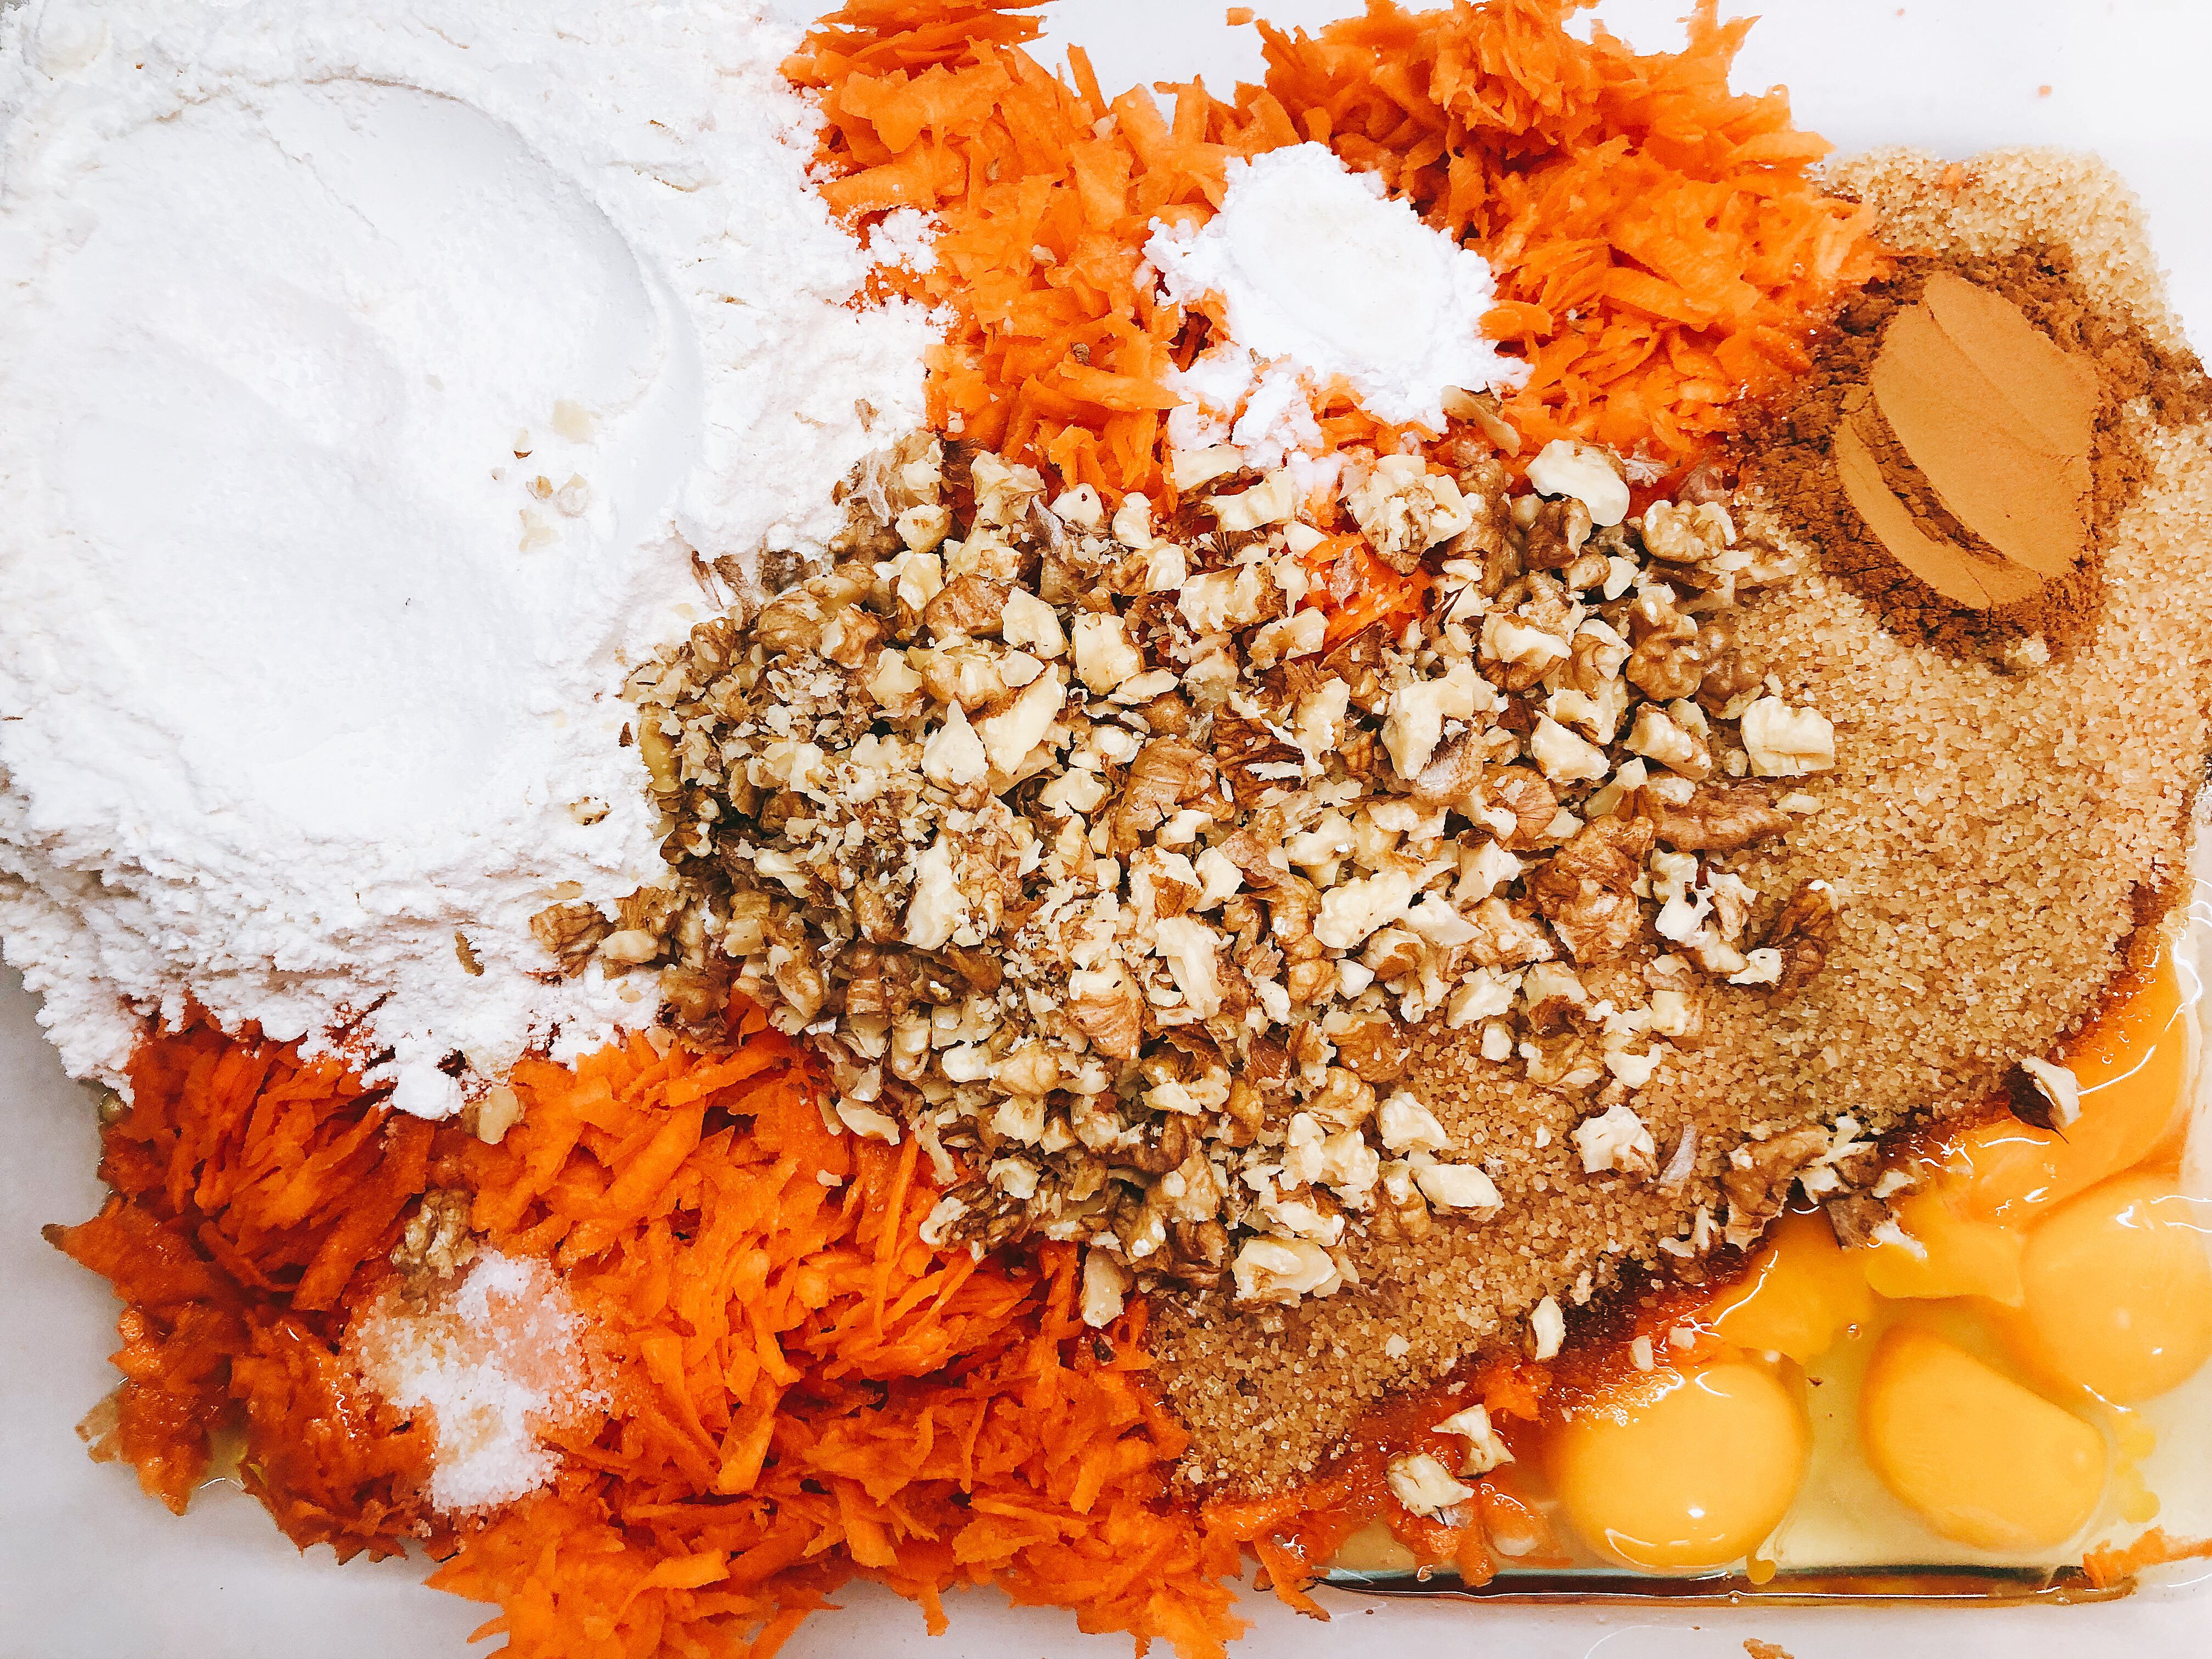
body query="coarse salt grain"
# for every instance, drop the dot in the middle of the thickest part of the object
(496, 1360)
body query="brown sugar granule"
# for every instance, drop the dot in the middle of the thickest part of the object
(2004, 832)
(1829, 458)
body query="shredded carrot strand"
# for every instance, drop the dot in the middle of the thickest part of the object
(2113, 1565)
(805, 1391)
(1661, 250)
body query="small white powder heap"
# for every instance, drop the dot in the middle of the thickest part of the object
(496, 1360)
(1322, 278)
(373, 376)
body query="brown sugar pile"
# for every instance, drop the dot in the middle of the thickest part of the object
(2002, 828)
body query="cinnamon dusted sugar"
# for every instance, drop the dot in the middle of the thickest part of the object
(2004, 833)
(2008, 199)
(1799, 453)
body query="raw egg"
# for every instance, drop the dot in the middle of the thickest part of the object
(1682, 1471)
(2132, 1064)
(1800, 1295)
(2118, 1291)
(1943, 1253)
(1982, 1460)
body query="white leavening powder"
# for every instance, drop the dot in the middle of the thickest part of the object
(497, 1360)
(1315, 270)
(370, 372)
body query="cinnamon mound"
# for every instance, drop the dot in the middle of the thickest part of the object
(1968, 432)
(1997, 419)
(2005, 829)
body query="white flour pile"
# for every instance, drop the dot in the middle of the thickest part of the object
(306, 668)
(1321, 281)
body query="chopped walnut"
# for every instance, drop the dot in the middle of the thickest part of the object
(1424, 1485)
(1547, 1329)
(966, 607)
(1787, 743)
(1166, 773)
(1105, 1288)
(571, 933)
(1757, 1180)
(1803, 933)
(1286, 1269)
(2060, 1091)
(1079, 853)
(1457, 1186)
(436, 1242)
(1715, 819)
(1105, 1005)
(1587, 889)
(1524, 652)
(1587, 473)
(1616, 1139)
(1657, 737)
(1404, 509)
(1555, 538)
(1528, 802)
(1485, 1450)
(1858, 1219)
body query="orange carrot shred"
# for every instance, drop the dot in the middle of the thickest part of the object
(807, 1393)
(1631, 206)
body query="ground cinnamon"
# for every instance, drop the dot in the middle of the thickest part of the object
(1960, 449)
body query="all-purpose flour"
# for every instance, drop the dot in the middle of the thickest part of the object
(371, 372)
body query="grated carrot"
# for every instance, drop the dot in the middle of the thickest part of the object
(2114, 1565)
(804, 1391)
(1661, 249)
(818, 1393)
(255, 1196)
(1046, 191)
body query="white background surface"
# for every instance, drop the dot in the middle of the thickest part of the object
(89, 1569)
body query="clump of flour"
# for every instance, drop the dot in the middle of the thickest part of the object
(375, 379)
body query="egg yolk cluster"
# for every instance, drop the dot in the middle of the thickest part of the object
(2037, 1284)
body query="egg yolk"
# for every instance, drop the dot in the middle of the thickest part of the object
(1801, 1295)
(1943, 1253)
(2132, 1066)
(1982, 1460)
(2118, 1291)
(1682, 1471)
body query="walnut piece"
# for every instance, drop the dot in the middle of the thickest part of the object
(1804, 932)
(1787, 743)
(1404, 509)
(1104, 1003)
(1587, 889)
(436, 1242)
(1757, 1180)
(1714, 820)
